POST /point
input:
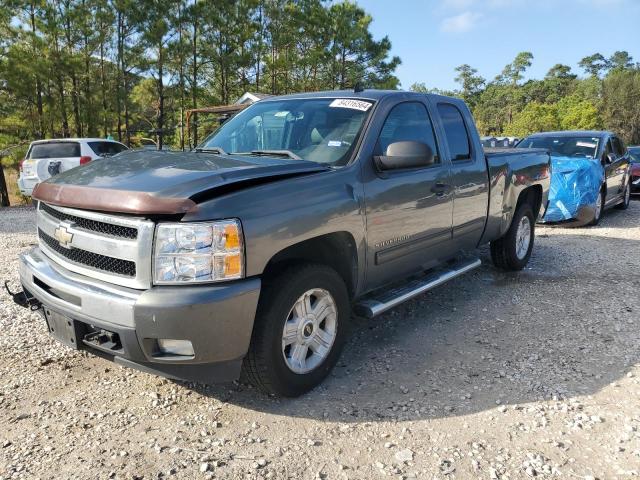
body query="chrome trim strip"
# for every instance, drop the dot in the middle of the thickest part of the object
(97, 301)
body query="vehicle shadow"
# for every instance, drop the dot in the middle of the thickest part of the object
(486, 339)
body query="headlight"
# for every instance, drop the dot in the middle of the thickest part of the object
(198, 252)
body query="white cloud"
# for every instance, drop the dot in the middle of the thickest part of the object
(463, 22)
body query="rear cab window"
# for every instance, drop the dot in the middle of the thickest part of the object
(54, 150)
(455, 132)
(106, 148)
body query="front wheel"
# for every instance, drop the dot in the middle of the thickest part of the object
(299, 330)
(512, 251)
(597, 214)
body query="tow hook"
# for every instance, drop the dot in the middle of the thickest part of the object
(23, 298)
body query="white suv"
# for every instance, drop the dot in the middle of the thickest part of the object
(46, 158)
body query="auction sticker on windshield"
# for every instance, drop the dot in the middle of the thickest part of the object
(350, 103)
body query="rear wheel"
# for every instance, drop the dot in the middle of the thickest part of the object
(513, 250)
(626, 198)
(299, 330)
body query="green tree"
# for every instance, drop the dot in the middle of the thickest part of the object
(470, 82)
(594, 64)
(621, 97)
(535, 117)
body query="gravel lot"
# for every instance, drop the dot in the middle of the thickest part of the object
(494, 376)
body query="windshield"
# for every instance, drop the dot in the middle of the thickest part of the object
(564, 146)
(634, 154)
(321, 130)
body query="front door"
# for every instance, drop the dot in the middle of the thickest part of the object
(408, 212)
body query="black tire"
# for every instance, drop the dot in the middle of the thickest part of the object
(504, 250)
(264, 365)
(596, 219)
(626, 198)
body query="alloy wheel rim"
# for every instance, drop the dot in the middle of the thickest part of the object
(309, 331)
(523, 237)
(599, 207)
(627, 195)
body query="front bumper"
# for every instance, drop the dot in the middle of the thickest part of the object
(635, 185)
(216, 319)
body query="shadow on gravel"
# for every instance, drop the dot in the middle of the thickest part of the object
(563, 327)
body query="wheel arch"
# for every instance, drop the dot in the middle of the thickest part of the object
(533, 196)
(337, 250)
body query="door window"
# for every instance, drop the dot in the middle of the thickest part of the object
(106, 148)
(618, 147)
(455, 132)
(408, 122)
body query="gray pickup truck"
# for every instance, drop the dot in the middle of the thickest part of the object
(251, 253)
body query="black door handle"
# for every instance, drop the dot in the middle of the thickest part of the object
(441, 189)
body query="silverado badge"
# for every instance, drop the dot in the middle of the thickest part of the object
(63, 236)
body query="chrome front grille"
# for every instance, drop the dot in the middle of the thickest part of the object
(112, 248)
(93, 225)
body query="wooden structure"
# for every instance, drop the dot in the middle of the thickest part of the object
(223, 110)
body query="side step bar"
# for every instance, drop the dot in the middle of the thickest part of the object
(379, 303)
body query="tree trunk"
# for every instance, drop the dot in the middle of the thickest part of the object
(41, 132)
(160, 96)
(120, 69)
(194, 81)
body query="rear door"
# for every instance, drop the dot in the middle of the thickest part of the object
(469, 178)
(408, 211)
(51, 158)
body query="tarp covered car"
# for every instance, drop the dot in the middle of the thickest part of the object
(575, 187)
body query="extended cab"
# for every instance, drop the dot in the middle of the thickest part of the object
(251, 252)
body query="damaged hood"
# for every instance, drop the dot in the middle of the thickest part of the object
(162, 182)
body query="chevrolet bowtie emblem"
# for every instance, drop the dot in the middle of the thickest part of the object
(63, 236)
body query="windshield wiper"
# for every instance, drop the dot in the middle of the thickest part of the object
(272, 153)
(217, 150)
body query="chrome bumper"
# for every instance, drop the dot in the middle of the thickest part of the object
(74, 294)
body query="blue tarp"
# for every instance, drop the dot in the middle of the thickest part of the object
(575, 183)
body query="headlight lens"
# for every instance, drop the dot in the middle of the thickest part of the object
(198, 252)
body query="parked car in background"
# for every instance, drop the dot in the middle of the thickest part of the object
(46, 158)
(590, 172)
(250, 251)
(499, 142)
(634, 156)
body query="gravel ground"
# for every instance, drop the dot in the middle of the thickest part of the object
(494, 376)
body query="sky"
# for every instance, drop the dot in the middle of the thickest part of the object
(432, 37)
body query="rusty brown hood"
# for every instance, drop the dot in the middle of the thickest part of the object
(143, 182)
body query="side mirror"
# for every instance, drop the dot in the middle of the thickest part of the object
(407, 154)
(610, 158)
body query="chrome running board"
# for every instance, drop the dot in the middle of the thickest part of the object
(381, 301)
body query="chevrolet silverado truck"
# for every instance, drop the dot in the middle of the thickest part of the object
(251, 253)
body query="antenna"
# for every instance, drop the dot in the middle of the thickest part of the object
(358, 87)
